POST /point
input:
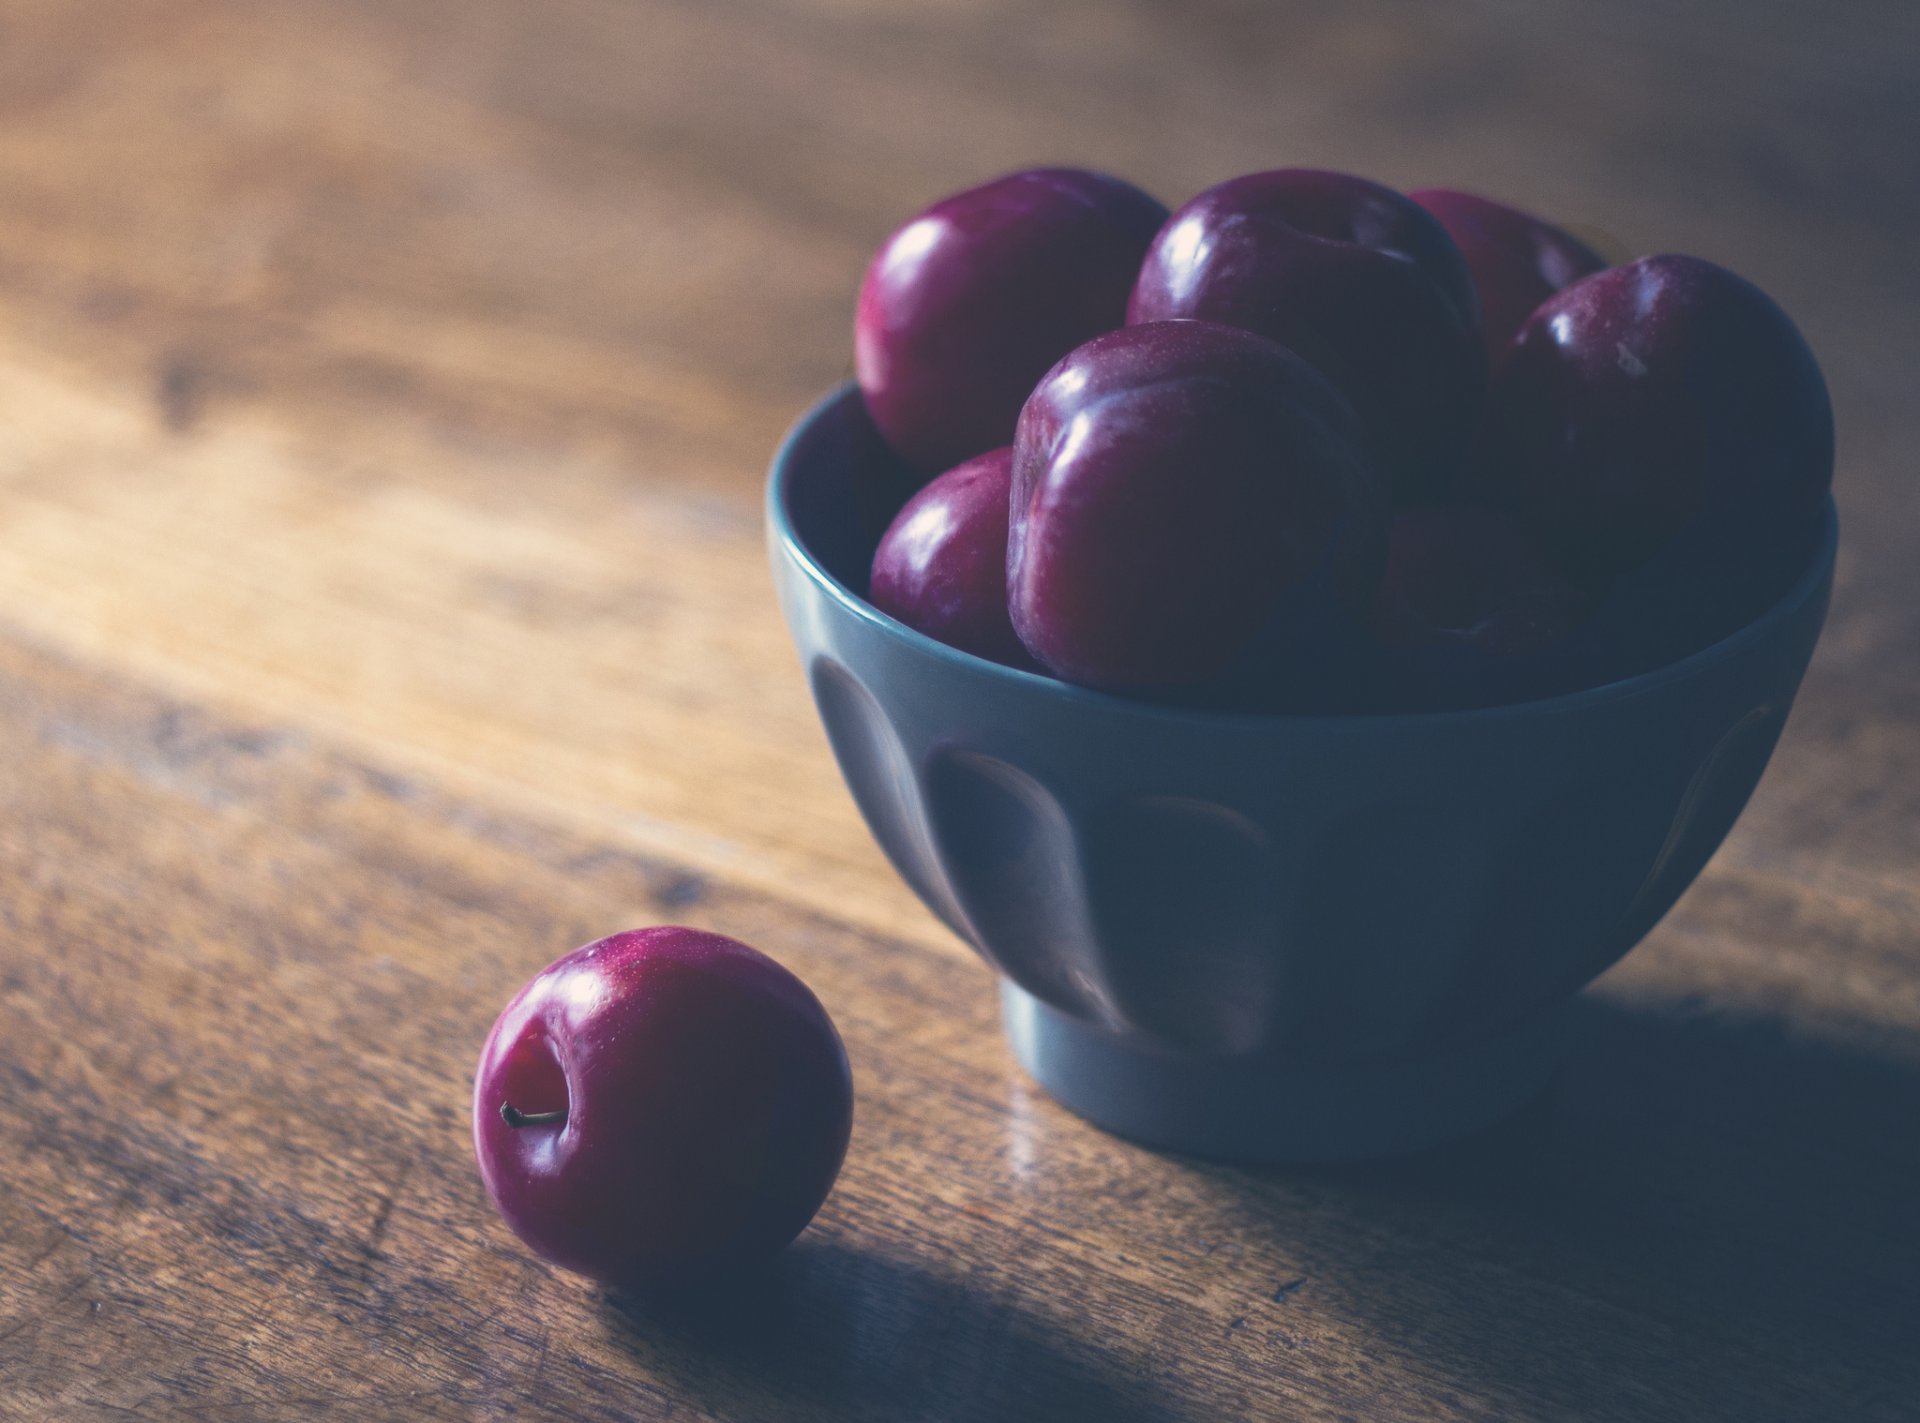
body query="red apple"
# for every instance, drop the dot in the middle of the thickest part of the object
(1361, 282)
(1186, 497)
(659, 1106)
(941, 567)
(965, 307)
(1517, 260)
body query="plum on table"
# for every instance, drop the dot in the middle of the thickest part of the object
(661, 1106)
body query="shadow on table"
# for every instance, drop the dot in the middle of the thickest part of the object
(1709, 1218)
(830, 1332)
(1702, 1203)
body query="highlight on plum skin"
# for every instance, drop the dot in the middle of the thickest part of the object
(661, 1108)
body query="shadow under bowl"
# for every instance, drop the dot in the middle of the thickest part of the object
(1273, 938)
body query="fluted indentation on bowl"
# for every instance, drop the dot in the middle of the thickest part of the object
(1008, 850)
(1186, 901)
(1389, 903)
(1708, 809)
(1567, 866)
(878, 773)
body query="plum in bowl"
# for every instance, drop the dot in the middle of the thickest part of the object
(1271, 937)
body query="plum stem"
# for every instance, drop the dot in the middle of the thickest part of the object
(514, 1117)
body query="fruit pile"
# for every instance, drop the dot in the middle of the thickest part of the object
(1310, 444)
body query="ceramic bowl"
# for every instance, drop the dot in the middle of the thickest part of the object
(1270, 937)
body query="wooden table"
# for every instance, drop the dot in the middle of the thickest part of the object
(385, 388)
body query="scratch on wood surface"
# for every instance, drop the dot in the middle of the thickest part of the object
(179, 391)
(59, 1241)
(383, 1213)
(540, 1364)
(32, 1316)
(681, 891)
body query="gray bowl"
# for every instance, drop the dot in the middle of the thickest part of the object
(1267, 937)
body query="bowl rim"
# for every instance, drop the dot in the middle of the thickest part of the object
(1816, 574)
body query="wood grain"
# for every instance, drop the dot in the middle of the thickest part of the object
(384, 393)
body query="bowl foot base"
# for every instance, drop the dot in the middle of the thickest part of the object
(1253, 1109)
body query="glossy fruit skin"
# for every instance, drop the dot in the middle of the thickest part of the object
(1664, 400)
(1363, 283)
(966, 306)
(941, 567)
(1188, 499)
(1666, 425)
(1472, 611)
(707, 1106)
(1517, 260)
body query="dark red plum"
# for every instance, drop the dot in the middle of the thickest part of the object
(941, 567)
(1665, 404)
(1363, 283)
(1473, 610)
(661, 1106)
(1187, 498)
(1517, 260)
(1466, 577)
(965, 307)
